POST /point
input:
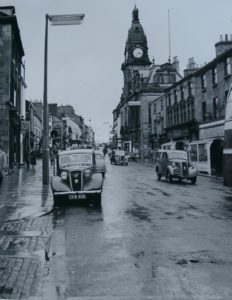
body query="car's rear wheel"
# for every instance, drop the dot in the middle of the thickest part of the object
(193, 180)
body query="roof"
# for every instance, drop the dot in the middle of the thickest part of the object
(169, 151)
(76, 151)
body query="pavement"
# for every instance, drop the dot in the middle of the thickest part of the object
(27, 219)
(26, 222)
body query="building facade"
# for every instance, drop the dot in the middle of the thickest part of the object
(195, 109)
(143, 83)
(12, 84)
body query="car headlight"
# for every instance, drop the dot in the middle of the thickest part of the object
(64, 175)
(87, 173)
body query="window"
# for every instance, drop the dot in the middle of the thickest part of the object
(204, 111)
(202, 152)
(192, 110)
(175, 96)
(214, 75)
(189, 111)
(193, 153)
(203, 81)
(169, 99)
(155, 127)
(227, 67)
(216, 107)
(161, 104)
(189, 88)
(182, 92)
(154, 108)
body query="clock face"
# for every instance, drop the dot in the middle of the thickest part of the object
(137, 52)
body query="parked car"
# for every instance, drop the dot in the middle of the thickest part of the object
(100, 162)
(118, 157)
(76, 177)
(175, 164)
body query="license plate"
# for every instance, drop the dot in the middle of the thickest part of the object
(74, 197)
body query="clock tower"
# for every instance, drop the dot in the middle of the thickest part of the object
(136, 51)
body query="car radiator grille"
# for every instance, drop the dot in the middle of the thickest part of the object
(176, 171)
(185, 169)
(76, 180)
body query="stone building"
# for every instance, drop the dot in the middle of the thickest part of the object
(143, 82)
(195, 109)
(12, 85)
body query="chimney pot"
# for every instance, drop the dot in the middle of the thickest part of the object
(226, 37)
(221, 38)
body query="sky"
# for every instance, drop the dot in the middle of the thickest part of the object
(84, 61)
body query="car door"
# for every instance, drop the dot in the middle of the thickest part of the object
(164, 163)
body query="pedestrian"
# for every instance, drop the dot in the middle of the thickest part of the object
(105, 151)
(2, 164)
(27, 157)
(52, 156)
(33, 158)
(112, 158)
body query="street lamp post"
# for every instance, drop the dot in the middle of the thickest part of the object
(71, 19)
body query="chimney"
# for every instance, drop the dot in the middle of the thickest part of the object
(175, 64)
(223, 45)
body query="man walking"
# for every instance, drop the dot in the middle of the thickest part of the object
(2, 164)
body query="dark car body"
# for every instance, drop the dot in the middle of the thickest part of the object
(76, 177)
(175, 164)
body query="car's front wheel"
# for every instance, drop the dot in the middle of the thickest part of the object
(97, 200)
(169, 176)
(193, 180)
(56, 201)
(158, 175)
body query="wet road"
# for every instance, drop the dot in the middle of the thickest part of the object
(150, 239)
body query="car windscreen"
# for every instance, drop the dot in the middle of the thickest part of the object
(80, 158)
(177, 155)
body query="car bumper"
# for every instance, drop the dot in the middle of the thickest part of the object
(78, 192)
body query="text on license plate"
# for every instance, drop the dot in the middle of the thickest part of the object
(73, 197)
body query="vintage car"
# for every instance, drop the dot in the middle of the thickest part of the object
(76, 177)
(100, 162)
(175, 164)
(118, 157)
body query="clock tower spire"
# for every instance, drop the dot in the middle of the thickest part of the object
(136, 50)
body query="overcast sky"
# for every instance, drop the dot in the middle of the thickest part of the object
(84, 61)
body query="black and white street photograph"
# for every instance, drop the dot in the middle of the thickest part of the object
(115, 150)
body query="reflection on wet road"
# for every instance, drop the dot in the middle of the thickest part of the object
(151, 238)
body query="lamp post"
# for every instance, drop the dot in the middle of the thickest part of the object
(71, 19)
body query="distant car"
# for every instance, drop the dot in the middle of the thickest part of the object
(100, 162)
(76, 177)
(175, 164)
(118, 157)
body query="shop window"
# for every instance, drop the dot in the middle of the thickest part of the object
(193, 153)
(202, 150)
